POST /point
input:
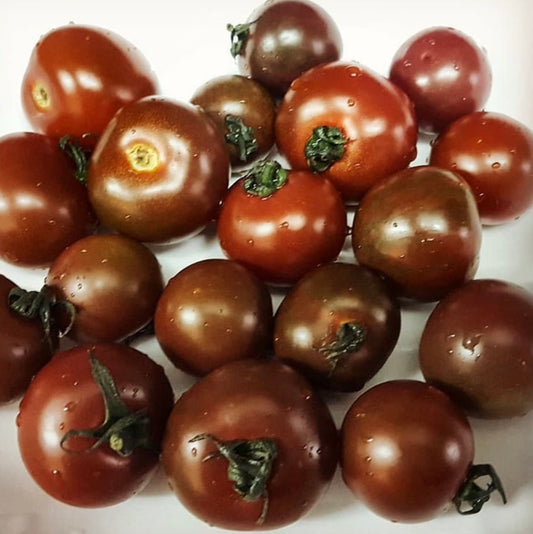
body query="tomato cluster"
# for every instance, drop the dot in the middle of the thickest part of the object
(300, 167)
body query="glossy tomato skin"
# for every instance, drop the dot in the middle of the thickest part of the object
(258, 399)
(445, 73)
(159, 171)
(286, 38)
(212, 312)
(375, 117)
(24, 348)
(406, 450)
(64, 396)
(232, 96)
(420, 228)
(45, 208)
(307, 323)
(282, 236)
(114, 283)
(477, 346)
(78, 77)
(494, 154)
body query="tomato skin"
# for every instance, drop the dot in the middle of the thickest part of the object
(420, 228)
(282, 236)
(445, 74)
(114, 283)
(406, 450)
(88, 73)
(477, 346)
(494, 154)
(310, 315)
(259, 399)
(275, 60)
(64, 396)
(375, 117)
(231, 311)
(44, 208)
(159, 171)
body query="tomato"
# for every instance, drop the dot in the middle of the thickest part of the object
(283, 38)
(347, 123)
(445, 73)
(212, 312)
(78, 77)
(113, 282)
(251, 445)
(407, 453)
(477, 346)
(337, 325)
(420, 228)
(244, 111)
(494, 154)
(43, 208)
(89, 432)
(281, 223)
(159, 171)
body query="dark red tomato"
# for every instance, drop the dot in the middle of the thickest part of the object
(78, 77)
(337, 325)
(86, 451)
(445, 74)
(159, 171)
(24, 348)
(212, 312)
(244, 111)
(283, 38)
(407, 453)
(281, 224)
(420, 228)
(113, 282)
(250, 446)
(43, 208)
(347, 123)
(477, 346)
(494, 154)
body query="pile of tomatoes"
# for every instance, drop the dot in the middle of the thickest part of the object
(300, 168)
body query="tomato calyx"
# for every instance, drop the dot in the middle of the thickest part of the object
(324, 147)
(124, 431)
(348, 339)
(78, 155)
(249, 466)
(473, 494)
(241, 136)
(265, 178)
(239, 36)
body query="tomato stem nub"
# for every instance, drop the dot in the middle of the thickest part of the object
(78, 155)
(348, 339)
(324, 148)
(241, 136)
(239, 35)
(250, 464)
(265, 178)
(473, 494)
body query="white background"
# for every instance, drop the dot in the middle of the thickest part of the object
(187, 44)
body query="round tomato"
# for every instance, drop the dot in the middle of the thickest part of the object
(420, 228)
(494, 154)
(250, 446)
(445, 74)
(43, 208)
(337, 325)
(78, 77)
(282, 39)
(347, 123)
(477, 346)
(113, 282)
(159, 171)
(407, 453)
(244, 111)
(281, 223)
(91, 424)
(212, 312)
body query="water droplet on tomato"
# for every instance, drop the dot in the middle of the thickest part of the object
(496, 165)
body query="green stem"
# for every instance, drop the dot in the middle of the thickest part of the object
(265, 178)
(239, 36)
(349, 338)
(324, 148)
(79, 156)
(241, 136)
